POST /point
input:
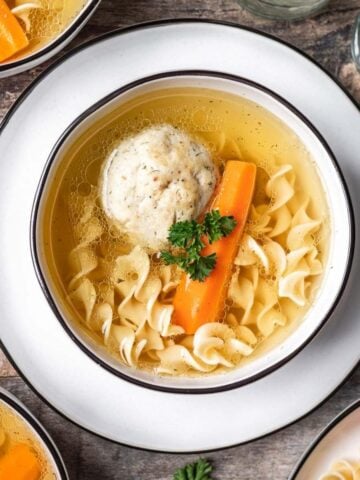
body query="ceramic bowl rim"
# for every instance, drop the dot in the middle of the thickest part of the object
(56, 42)
(321, 436)
(39, 429)
(38, 201)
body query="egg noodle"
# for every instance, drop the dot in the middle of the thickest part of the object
(343, 470)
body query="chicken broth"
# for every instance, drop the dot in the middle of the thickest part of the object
(45, 22)
(18, 442)
(265, 298)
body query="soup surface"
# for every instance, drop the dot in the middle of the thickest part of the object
(106, 267)
(40, 20)
(20, 449)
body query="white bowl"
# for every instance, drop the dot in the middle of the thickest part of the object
(39, 432)
(13, 67)
(340, 440)
(340, 249)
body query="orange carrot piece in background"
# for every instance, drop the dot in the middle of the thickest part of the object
(196, 303)
(12, 36)
(20, 463)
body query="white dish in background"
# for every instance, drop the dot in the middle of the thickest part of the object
(55, 367)
(340, 440)
(39, 432)
(340, 242)
(13, 67)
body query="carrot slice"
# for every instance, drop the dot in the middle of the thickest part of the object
(12, 36)
(196, 303)
(20, 463)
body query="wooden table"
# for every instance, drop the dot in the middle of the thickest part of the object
(327, 39)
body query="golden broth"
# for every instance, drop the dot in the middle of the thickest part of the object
(48, 22)
(18, 432)
(231, 127)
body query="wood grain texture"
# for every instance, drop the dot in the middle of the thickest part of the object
(327, 39)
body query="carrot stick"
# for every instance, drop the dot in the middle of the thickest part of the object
(196, 303)
(20, 463)
(12, 36)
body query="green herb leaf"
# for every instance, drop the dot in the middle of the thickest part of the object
(190, 236)
(181, 233)
(170, 259)
(201, 268)
(199, 470)
(216, 226)
(187, 235)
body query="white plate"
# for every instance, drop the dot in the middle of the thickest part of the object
(56, 368)
(340, 440)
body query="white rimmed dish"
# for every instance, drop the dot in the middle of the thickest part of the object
(40, 434)
(340, 440)
(31, 335)
(340, 242)
(26, 62)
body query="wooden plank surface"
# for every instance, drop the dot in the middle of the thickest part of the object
(327, 39)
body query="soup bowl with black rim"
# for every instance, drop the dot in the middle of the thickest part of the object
(340, 248)
(34, 58)
(47, 445)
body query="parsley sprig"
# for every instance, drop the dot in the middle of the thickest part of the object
(217, 226)
(199, 470)
(190, 236)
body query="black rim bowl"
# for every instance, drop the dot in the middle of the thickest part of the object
(55, 43)
(39, 429)
(48, 294)
(308, 452)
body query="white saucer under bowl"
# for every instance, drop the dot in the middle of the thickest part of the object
(339, 441)
(38, 431)
(55, 367)
(13, 67)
